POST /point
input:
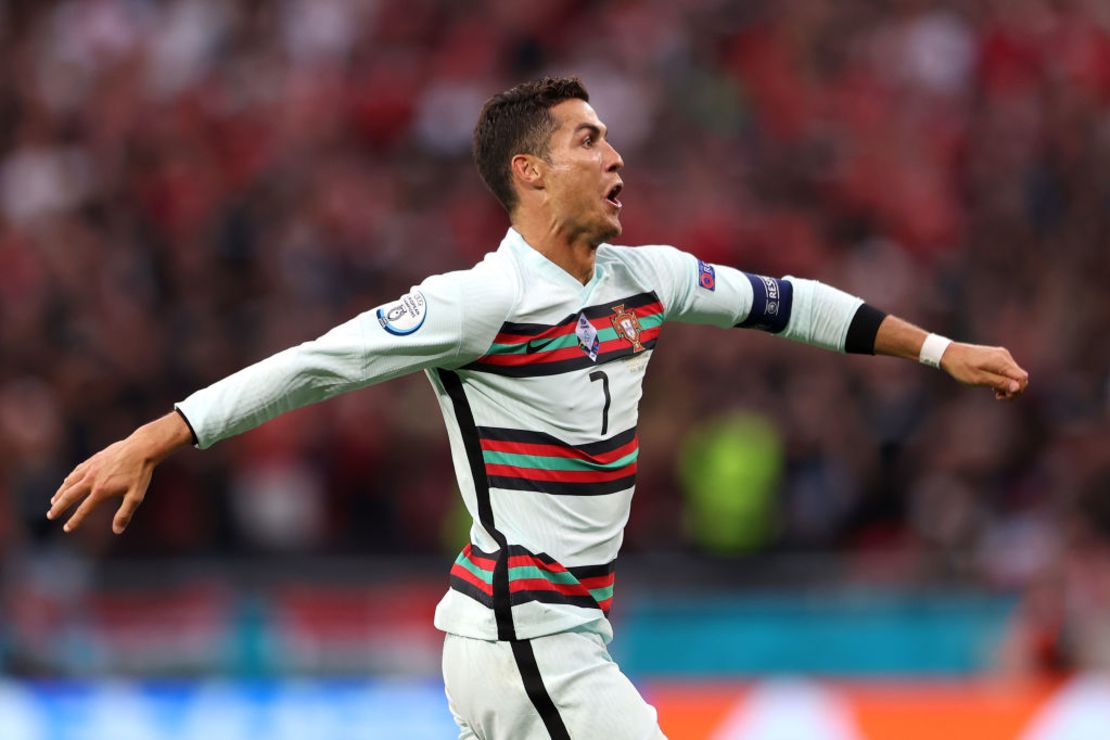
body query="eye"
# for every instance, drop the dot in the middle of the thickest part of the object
(588, 141)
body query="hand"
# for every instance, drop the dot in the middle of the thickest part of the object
(120, 469)
(994, 367)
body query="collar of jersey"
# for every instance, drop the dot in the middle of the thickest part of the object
(527, 254)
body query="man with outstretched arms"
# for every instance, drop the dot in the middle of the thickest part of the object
(537, 356)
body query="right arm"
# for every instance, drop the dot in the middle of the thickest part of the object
(445, 322)
(120, 469)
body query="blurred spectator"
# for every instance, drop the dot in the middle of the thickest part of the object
(187, 186)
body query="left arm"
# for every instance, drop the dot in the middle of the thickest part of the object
(820, 313)
(817, 314)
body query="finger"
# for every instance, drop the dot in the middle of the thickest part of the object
(1015, 372)
(1004, 364)
(1019, 381)
(67, 496)
(83, 511)
(1000, 383)
(126, 510)
(1009, 394)
(74, 478)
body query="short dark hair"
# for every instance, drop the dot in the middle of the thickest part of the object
(518, 121)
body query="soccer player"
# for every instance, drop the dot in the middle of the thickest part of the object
(537, 355)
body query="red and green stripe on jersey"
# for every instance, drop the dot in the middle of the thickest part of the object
(523, 460)
(526, 350)
(533, 577)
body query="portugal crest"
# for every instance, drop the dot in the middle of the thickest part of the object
(627, 325)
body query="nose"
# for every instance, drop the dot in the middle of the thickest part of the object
(614, 162)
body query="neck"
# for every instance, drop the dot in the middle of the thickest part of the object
(573, 252)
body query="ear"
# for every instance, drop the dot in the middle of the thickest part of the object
(528, 171)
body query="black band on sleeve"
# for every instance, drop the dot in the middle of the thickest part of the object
(863, 329)
(186, 420)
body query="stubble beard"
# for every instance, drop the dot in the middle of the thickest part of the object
(607, 228)
(610, 231)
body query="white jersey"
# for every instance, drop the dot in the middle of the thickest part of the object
(539, 378)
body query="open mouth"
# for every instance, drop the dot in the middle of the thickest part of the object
(611, 196)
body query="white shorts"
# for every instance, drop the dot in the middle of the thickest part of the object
(559, 686)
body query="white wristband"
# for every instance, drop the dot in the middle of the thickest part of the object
(932, 349)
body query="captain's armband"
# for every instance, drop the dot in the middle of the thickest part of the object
(772, 301)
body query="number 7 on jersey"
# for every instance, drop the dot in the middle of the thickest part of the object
(600, 375)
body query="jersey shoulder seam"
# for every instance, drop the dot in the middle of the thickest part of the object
(641, 261)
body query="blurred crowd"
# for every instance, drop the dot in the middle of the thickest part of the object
(188, 186)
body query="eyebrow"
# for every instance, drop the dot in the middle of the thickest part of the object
(592, 128)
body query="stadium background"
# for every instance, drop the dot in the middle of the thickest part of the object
(820, 547)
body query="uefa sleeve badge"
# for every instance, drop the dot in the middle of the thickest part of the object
(707, 276)
(405, 315)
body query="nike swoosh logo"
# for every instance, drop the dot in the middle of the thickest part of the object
(532, 347)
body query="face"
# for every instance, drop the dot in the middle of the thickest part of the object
(581, 176)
